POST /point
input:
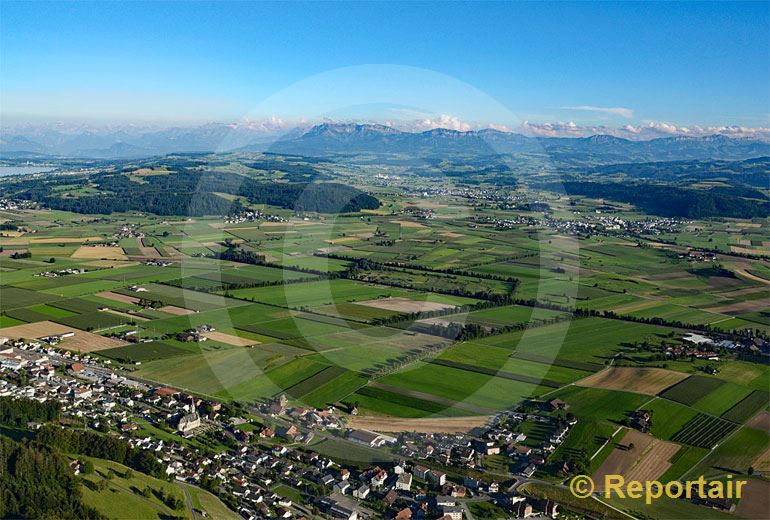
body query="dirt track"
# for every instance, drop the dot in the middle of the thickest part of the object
(428, 425)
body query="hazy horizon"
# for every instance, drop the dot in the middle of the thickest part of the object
(691, 65)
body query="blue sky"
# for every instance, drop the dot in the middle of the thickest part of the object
(685, 63)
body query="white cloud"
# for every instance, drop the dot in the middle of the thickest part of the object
(443, 121)
(617, 111)
(648, 130)
(560, 129)
(499, 128)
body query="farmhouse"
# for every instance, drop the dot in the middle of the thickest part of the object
(557, 404)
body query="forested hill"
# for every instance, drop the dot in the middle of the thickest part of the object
(675, 201)
(751, 172)
(185, 192)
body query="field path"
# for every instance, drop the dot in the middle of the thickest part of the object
(741, 270)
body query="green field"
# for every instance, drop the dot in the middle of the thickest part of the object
(125, 493)
(143, 352)
(689, 391)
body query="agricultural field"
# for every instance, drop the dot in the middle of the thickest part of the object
(637, 456)
(741, 451)
(703, 431)
(692, 389)
(649, 381)
(747, 407)
(421, 316)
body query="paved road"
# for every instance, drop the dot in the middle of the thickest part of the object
(189, 501)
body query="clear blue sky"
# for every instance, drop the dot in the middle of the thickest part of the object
(686, 63)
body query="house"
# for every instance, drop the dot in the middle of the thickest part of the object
(129, 427)
(641, 420)
(557, 404)
(550, 508)
(421, 472)
(390, 497)
(83, 393)
(290, 433)
(454, 490)
(471, 482)
(487, 447)
(404, 482)
(342, 487)
(437, 477)
(362, 492)
(453, 512)
(522, 509)
(378, 478)
(404, 514)
(523, 450)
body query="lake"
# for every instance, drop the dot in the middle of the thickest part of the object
(6, 171)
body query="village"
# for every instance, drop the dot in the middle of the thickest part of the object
(218, 447)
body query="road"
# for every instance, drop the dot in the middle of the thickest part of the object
(188, 500)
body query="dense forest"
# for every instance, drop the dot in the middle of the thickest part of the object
(675, 201)
(100, 446)
(36, 482)
(35, 479)
(19, 412)
(189, 193)
(751, 172)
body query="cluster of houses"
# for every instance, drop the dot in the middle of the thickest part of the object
(113, 243)
(406, 491)
(125, 231)
(158, 263)
(504, 437)
(251, 216)
(587, 224)
(420, 213)
(702, 346)
(197, 334)
(17, 204)
(60, 272)
(695, 255)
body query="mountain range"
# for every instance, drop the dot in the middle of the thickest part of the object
(346, 138)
